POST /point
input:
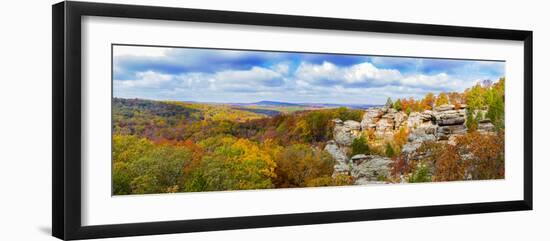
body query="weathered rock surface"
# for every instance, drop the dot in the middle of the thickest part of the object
(485, 126)
(450, 117)
(369, 168)
(417, 136)
(442, 124)
(400, 119)
(445, 132)
(345, 132)
(385, 126)
(337, 154)
(371, 116)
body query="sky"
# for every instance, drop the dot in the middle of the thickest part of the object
(243, 76)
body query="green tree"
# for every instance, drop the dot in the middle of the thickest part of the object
(397, 105)
(420, 174)
(475, 97)
(389, 103)
(471, 122)
(495, 100)
(359, 146)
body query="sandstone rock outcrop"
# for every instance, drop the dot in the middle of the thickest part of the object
(371, 117)
(345, 132)
(339, 155)
(369, 168)
(442, 124)
(384, 121)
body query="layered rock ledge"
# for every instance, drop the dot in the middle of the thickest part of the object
(443, 124)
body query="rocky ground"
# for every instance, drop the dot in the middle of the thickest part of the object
(442, 124)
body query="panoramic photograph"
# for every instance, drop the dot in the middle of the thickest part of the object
(199, 119)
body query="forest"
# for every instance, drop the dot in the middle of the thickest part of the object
(176, 146)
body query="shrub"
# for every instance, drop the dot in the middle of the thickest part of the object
(420, 174)
(298, 164)
(390, 152)
(359, 146)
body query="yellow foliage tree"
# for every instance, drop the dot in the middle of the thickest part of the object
(442, 99)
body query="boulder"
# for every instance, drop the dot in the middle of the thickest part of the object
(400, 118)
(451, 121)
(370, 168)
(385, 126)
(345, 132)
(485, 127)
(422, 134)
(352, 125)
(450, 117)
(427, 116)
(445, 132)
(357, 159)
(410, 148)
(416, 138)
(371, 116)
(336, 152)
(414, 120)
(341, 168)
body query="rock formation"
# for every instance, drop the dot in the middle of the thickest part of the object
(339, 155)
(442, 124)
(369, 168)
(345, 132)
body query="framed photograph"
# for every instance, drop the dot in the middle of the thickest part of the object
(169, 120)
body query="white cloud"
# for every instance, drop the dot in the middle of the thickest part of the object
(282, 68)
(256, 75)
(363, 73)
(255, 79)
(145, 79)
(421, 80)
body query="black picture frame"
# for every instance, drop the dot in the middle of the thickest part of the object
(66, 75)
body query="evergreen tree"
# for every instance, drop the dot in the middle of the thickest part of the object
(398, 105)
(389, 103)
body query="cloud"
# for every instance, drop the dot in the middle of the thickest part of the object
(367, 75)
(330, 74)
(184, 60)
(440, 81)
(254, 79)
(246, 76)
(147, 79)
